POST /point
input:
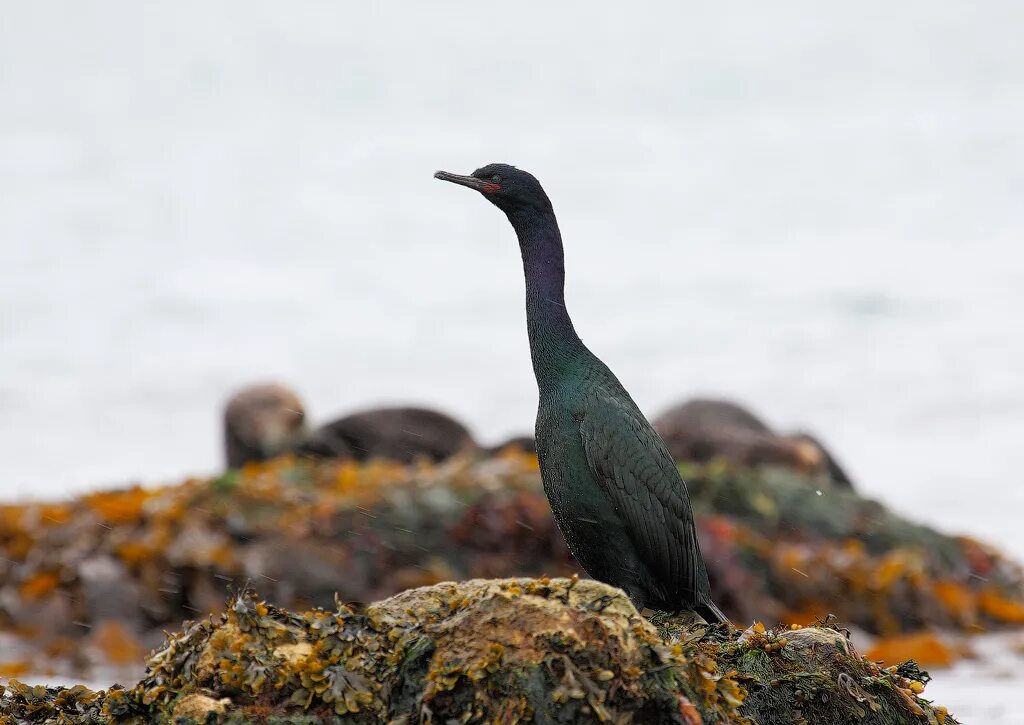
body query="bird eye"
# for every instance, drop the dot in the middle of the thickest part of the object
(496, 179)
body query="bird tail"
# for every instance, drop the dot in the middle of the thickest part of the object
(712, 614)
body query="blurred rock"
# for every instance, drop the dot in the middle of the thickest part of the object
(398, 434)
(109, 593)
(267, 420)
(30, 616)
(295, 570)
(703, 430)
(836, 473)
(260, 422)
(523, 443)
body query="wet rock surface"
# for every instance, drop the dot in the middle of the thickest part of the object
(503, 651)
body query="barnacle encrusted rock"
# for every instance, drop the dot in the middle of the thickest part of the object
(500, 651)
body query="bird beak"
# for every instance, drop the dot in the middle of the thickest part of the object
(471, 181)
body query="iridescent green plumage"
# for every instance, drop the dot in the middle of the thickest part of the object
(615, 491)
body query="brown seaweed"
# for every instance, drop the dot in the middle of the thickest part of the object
(502, 651)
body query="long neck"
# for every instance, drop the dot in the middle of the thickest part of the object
(554, 345)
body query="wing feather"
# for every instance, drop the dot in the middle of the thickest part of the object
(639, 476)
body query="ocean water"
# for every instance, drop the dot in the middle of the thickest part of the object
(815, 211)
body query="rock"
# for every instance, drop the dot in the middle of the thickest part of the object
(197, 706)
(203, 593)
(50, 614)
(523, 443)
(707, 415)
(836, 473)
(260, 422)
(294, 569)
(398, 434)
(109, 593)
(509, 651)
(268, 420)
(703, 429)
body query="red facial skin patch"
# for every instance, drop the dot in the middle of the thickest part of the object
(490, 188)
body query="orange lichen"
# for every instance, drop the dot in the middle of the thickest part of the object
(515, 454)
(117, 644)
(11, 518)
(134, 553)
(897, 564)
(118, 507)
(15, 669)
(38, 585)
(808, 614)
(18, 547)
(347, 477)
(54, 514)
(960, 601)
(995, 605)
(924, 647)
(222, 556)
(854, 547)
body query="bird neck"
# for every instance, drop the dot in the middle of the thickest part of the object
(555, 347)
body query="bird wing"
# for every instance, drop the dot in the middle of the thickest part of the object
(639, 476)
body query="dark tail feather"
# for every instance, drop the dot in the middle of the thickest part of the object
(711, 613)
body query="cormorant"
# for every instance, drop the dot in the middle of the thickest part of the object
(614, 489)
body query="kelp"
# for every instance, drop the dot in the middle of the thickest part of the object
(780, 549)
(502, 651)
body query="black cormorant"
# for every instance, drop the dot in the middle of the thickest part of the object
(614, 489)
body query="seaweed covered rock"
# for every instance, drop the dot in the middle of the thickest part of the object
(778, 550)
(505, 651)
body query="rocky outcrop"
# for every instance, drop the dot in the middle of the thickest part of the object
(268, 420)
(261, 422)
(399, 434)
(778, 548)
(704, 430)
(504, 651)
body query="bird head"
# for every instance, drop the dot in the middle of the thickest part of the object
(507, 187)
